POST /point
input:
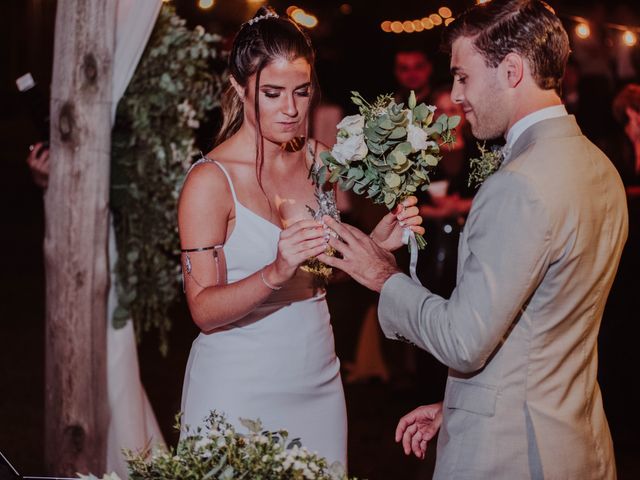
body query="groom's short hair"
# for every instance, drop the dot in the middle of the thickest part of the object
(527, 27)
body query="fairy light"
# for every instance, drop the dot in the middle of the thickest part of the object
(205, 4)
(583, 31)
(448, 21)
(436, 19)
(427, 23)
(408, 27)
(386, 26)
(629, 38)
(482, 2)
(417, 25)
(292, 9)
(444, 12)
(303, 18)
(396, 27)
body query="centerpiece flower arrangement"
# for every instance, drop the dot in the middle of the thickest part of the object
(218, 452)
(388, 151)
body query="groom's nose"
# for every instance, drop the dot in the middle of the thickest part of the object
(456, 93)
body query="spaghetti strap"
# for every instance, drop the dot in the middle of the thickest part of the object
(204, 159)
(226, 174)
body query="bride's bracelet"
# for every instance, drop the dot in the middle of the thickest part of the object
(272, 287)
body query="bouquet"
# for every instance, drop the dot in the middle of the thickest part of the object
(388, 150)
(218, 452)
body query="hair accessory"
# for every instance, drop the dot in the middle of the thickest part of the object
(262, 17)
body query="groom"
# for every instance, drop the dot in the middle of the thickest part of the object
(536, 262)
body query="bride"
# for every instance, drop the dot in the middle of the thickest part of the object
(266, 347)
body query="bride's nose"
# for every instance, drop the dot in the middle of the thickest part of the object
(290, 107)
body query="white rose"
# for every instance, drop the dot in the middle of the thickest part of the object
(352, 124)
(350, 149)
(417, 138)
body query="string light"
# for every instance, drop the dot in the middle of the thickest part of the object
(303, 18)
(444, 12)
(443, 17)
(427, 23)
(583, 31)
(205, 4)
(436, 19)
(629, 38)
(408, 27)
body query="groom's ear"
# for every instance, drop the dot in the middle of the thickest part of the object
(513, 66)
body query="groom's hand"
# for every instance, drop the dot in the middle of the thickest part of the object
(362, 258)
(416, 428)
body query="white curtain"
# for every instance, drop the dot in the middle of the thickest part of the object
(133, 424)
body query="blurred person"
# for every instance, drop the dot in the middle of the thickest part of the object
(412, 70)
(38, 163)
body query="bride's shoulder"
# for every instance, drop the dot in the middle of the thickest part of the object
(205, 183)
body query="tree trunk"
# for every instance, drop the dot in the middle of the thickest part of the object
(76, 211)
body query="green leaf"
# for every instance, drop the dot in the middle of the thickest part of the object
(453, 122)
(420, 113)
(398, 133)
(430, 160)
(404, 148)
(392, 179)
(356, 173)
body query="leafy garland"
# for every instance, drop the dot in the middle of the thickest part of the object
(153, 143)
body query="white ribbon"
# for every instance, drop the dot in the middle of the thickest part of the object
(409, 238)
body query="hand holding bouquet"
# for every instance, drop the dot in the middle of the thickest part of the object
(388, 151)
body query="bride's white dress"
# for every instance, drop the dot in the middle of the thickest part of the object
(278, 363)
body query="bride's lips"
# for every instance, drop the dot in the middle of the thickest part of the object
(289, 125)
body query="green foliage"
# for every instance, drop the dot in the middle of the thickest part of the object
(218, 452)
(152, 146)
(482, 167)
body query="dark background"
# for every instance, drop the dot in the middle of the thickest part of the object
(353, 53)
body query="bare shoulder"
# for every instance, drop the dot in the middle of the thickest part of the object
(206, 182)
(205, 206)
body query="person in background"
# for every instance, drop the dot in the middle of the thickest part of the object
(412, 70)
(38, 163)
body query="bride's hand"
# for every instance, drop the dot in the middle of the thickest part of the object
(302, 240)
(416, 428)
(388, 233)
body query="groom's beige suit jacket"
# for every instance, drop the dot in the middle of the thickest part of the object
(536, 262)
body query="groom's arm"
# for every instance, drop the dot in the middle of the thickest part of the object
(508, 240)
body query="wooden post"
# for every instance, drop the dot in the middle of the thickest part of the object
(76, 231)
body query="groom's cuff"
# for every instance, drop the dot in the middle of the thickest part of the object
(391, 297)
